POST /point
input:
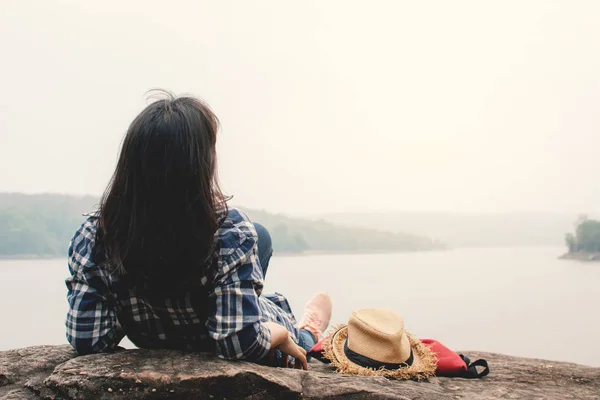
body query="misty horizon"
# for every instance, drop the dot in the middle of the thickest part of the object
(346, 107)
(322, 213)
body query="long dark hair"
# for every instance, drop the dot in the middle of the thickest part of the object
(160, 212)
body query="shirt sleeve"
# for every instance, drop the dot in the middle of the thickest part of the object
(236, 319)
(92, 319)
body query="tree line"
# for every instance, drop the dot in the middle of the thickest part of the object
(42, 225)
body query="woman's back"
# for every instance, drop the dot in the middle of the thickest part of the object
(184, 319)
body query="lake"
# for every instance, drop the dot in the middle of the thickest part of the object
(518, 301)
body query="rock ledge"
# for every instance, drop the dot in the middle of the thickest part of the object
(54, 372)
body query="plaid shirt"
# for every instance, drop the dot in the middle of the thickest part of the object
(225, 314)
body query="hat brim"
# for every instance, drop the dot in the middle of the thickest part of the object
(423, 366)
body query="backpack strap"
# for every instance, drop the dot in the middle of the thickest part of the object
(471, 372)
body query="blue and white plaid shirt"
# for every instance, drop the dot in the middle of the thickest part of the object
(226, 313)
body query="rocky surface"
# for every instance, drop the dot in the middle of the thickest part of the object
(53, 372)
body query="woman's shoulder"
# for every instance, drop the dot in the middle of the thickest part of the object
(236, 217)
(81, 247)
(88, 228)
(236, 233)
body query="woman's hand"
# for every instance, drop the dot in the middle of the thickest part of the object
(281, 340)
(289, 348)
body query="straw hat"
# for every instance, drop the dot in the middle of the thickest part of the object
(374, 343)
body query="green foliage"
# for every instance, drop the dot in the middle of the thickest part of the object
(586, 238)
(42, 225)
(39, 225)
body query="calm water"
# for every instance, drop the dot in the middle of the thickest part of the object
(520, 301)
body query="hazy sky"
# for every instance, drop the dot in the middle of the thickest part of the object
(325, 105)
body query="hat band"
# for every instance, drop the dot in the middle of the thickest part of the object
(367, 362)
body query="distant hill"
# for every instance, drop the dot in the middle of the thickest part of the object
(323, 236)
(42, 225)
(468, 229)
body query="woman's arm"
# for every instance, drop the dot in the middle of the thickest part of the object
(235, 319)
(91, 322)
(236, 322)
(238, 330)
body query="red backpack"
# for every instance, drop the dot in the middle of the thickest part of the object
(452, 364)
(449, 364)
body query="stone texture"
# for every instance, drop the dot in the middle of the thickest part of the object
(23, 371)
(53, 372)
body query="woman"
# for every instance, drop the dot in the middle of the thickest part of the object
(165, 262)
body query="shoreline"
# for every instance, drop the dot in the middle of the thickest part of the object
(349, 252)
(585, 257)
(581, 256)
(275, 254)
(31, 257)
